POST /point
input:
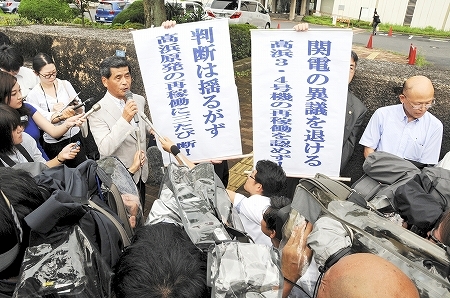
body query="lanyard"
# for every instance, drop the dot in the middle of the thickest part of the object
(56, 95)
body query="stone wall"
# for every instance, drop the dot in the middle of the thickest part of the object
(78, 52)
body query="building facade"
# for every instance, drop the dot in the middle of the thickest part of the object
(413, 13)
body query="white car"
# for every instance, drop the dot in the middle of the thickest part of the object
(10, 6)
(187, 6)
(239, 12)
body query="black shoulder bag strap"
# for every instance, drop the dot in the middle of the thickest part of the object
(11, 162)
(24, 152)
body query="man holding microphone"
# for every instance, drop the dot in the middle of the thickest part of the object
(115, 128)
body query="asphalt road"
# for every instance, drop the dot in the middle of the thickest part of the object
(435, 51)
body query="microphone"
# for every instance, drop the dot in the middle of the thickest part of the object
(129, 96)
(94, 108)
(145, 118)
(83, 103)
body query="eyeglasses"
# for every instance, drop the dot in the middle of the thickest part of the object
(422, 105)
(253, 177)
(435, 240)
(48, 76)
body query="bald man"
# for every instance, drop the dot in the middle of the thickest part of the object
(365, 275)
(407, 130)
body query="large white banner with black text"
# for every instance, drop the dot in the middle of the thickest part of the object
(299, 91)
(189, 82)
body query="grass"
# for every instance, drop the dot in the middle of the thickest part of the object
(420, 61)
(427, 31)
(244, 73)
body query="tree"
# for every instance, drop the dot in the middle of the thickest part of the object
(154, 12)
(82, 6)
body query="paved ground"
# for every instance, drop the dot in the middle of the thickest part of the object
(243, 82)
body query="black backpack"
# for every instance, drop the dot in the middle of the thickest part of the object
(75, 222)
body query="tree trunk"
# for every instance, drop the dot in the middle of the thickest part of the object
(154, 12)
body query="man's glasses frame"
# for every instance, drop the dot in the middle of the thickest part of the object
(437, 241)
(419, 106)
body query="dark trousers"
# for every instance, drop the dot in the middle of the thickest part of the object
(52, 150)
(141, 190)
(374, 26)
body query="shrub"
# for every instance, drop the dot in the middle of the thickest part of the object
(44, 10)
(128, 25)
(240, 40)
(134, 14)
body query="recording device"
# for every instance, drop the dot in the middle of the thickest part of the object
(72, 102)
(145, 118)
(76, 146)
(129, 96)
(83, 103)
(94, 108)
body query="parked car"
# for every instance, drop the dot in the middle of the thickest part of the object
(107, 10)
(187, 6)
(10, 6)
(239, 12)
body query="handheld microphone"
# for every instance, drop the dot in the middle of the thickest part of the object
(143, 116)
(83, 103)
(129, 96)
(94, 108)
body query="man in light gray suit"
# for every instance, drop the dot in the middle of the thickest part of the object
(115, 131)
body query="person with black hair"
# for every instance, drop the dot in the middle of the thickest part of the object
(56, 98)
(116, 128)
(375, 21)
(4, 39)
(19, 196)
(270, 215)
(11, 61)
(16, 146)
(162, 262)
(268, 179)
(32, 119)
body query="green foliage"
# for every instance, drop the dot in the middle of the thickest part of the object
(13, 20)
(134, 14)
(79, 21)
(240, 40)
(128, 25)
(319, 20)
(44, 11)
(421, 61)
(243, 74)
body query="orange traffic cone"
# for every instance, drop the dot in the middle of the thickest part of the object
(390, 31)
(412, 55)
(278, 27)
(369, 43)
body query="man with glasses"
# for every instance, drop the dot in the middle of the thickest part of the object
(407, 130)
(268, 179)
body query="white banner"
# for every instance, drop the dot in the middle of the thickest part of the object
(189, 81)
(299, 91)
